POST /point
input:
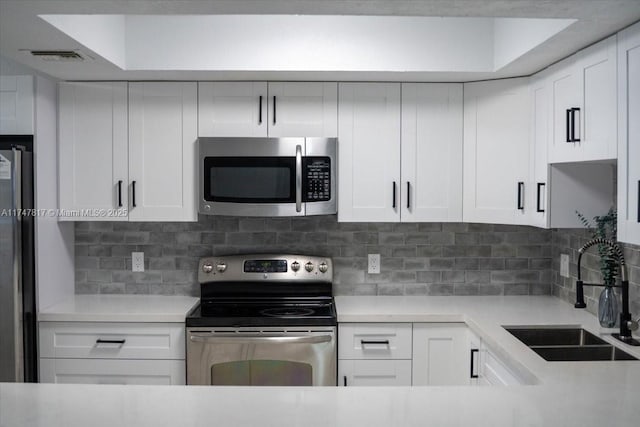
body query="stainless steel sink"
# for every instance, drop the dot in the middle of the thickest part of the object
(567, 344)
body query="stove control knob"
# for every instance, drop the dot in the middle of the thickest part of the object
(207, 267)
(295, 266)
(323, 267)
(309, 266)
(221, 267)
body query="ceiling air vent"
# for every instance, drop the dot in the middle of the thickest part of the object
(58, 55)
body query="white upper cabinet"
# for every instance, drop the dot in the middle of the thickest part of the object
(232, 109)
(138, 156)
(431, 155)
(584, 96)
(537, 197)
(629, 135)
(275, 109)
(369, 152)
(163, 127)
(92, 148)
(496, 151)
(16, 105)
(303, 109)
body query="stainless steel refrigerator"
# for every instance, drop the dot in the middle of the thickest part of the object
(18, 342)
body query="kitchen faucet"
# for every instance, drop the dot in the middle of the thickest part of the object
(626, 323)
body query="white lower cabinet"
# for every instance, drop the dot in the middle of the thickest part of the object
(374, 372)
(112, 353)
(112, 371)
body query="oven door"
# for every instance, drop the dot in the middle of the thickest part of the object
(251, 176)
(268, 357)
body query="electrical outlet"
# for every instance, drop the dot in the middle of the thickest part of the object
(137, 261)
(374, 264)
(564, 265)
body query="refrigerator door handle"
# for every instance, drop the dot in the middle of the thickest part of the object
(16, 171)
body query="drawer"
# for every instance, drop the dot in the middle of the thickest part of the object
(374, 340)
(84, 340)
(107, 371)
(374, 373)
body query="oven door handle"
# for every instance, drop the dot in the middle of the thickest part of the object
(298, 178)
(260, 339)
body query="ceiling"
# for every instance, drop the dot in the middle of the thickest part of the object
(21, 29)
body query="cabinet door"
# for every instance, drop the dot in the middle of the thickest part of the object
(162, 156)
(303, 109)
(92, 161)
(597, 68)
(232, 109)
(496, 151)
(431, 152)
(369, 152)
(565, 95)
(537, 199)
(374, 373)
(108, 371)
(16, 105)
(629, 135)
(441, 354)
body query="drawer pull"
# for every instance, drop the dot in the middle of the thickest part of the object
(101, 341)
(380, 342)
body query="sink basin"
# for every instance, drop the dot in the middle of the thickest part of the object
(555, 336)
(563, 344)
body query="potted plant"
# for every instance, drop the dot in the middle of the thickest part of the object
(606, 228)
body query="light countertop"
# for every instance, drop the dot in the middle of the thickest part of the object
(565, 393)
(119, 308)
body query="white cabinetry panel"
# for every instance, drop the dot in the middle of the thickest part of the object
(93, 149)
(369, 152)
(431, 162)
(374, 341)
(374, 373)
(16, 105)
(233, 109)
(162, 155)
(496, 151)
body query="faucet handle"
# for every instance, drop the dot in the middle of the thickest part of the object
(633, 324)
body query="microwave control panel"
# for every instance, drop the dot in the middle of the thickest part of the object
(316, 179)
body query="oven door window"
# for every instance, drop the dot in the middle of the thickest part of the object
(250, 179)
(262, 372)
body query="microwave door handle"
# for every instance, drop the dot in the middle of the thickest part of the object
(298, 178)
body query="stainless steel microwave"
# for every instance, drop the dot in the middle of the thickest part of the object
(267, 176)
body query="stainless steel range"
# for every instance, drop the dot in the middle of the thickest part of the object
(263, 320)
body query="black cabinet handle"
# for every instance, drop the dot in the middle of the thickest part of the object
(573, 124)
(520, 195)
(408, 194)
(472, 372)
(101, 341)
(344, 380)
(260, 110)
(133, 194)
(274, 109)
(381, 342)
(120, 193)
(569, 125)
(538, 207)
(393, 202)
(638, 201)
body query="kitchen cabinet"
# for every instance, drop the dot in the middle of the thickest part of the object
(127, 151)
(431, 152)
(441, 354)
(369, 152)
(496, 151)
(537, 197)
(400, 161)
(93, 168)
(629, 135)
(274, 109)
(374, 354)
(112, 353)
(16, 105)
(493, 371)
(584, 105)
